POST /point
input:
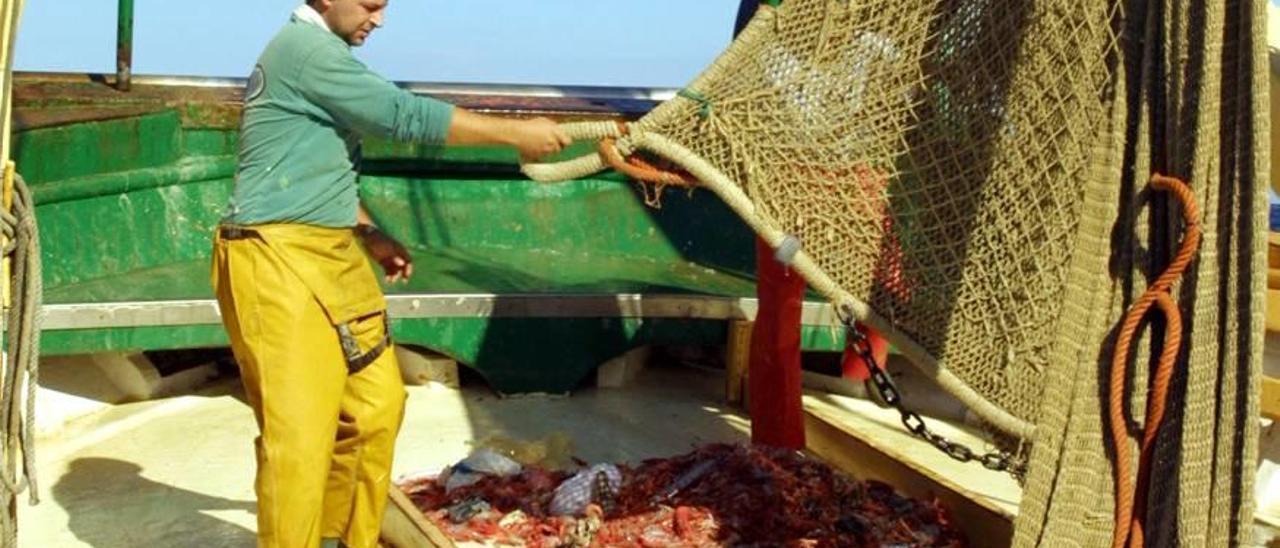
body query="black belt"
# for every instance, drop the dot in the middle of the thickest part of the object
(236, 233)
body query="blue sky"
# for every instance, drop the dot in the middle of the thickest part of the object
(561, 42)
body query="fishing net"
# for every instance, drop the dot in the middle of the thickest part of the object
(970, 178)
(926, 158)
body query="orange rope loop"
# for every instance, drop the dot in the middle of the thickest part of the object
(1129, 512)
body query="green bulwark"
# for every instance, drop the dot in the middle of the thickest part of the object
(129, 188)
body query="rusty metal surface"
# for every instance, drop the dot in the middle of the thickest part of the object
(47, 99)
(56, 116)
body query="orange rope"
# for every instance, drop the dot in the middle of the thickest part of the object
(1128, 513)
(638, 169)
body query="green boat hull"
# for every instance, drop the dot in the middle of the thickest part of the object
(532, 285)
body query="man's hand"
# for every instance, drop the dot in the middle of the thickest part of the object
(394, 258)
(538, 137)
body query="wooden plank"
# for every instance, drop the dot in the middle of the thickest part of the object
(405, 527)
(1273, 250)
(736, 359)
(864, 459)
(1273, 310)
(622, 371)
(1271, 398)
(421, 367)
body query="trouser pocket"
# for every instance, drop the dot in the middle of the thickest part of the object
(364, 340)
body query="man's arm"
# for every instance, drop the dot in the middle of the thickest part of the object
(361, 100)
(533, 138)
(394, 258)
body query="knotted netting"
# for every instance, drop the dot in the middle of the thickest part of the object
(969, 177)
(926, 159)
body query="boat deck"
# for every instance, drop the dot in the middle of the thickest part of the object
(135, 476)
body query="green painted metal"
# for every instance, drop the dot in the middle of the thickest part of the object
(437, 270)
(209, 142)
(533, 355)
(81, 150)
(120, 240)
(572, 225)
(185, 171)
(127, 208)
(133, 339)
(124, 45)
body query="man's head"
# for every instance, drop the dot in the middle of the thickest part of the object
(352, 20)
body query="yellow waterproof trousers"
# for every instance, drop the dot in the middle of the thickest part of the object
(326, 435)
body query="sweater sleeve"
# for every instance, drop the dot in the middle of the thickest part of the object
(359, 99)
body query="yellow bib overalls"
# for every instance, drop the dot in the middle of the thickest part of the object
(290, 296)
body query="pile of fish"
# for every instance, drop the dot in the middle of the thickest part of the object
(718, 495)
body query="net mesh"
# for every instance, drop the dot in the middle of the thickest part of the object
(926, 156)
(969, 176)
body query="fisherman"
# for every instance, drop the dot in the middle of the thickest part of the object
(300, 301)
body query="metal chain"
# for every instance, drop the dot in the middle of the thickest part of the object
(999, 461)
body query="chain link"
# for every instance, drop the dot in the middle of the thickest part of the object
(999, 461)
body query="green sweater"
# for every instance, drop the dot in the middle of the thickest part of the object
(307, 106)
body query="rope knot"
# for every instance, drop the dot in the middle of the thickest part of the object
(704, 103)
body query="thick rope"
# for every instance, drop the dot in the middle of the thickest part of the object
(581, 166)
(21, 367)
(607, 155)
(1129, 514)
